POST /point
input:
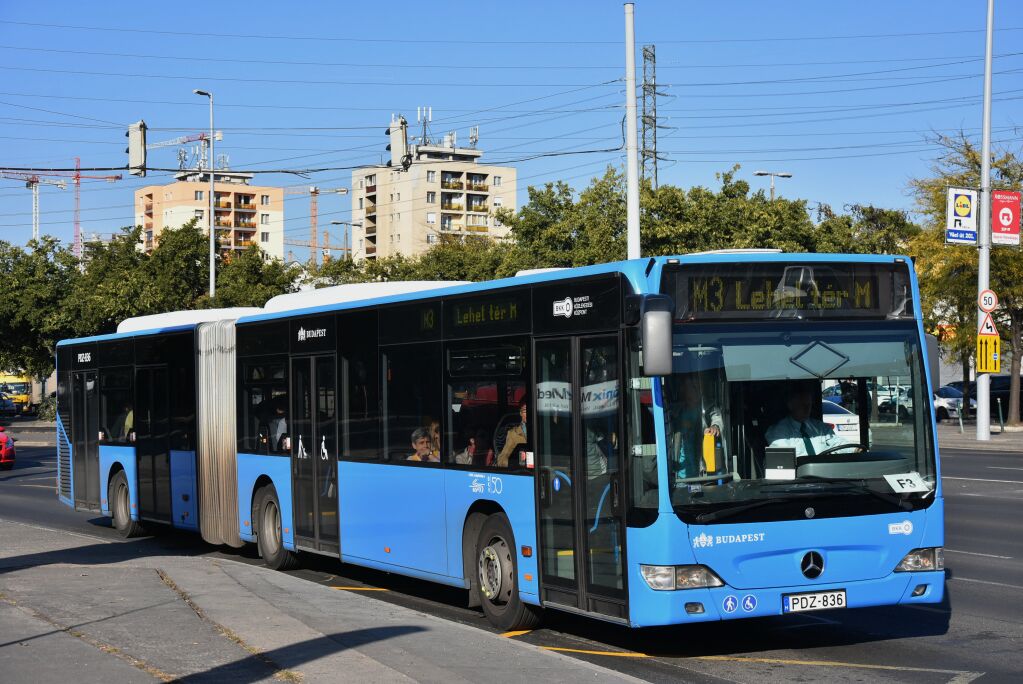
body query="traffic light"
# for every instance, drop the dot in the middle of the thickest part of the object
(398, 147)
(136, 149)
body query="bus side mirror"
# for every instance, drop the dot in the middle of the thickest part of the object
(655, 327)
(933, 365)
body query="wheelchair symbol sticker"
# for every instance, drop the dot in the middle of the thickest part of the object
(749, 603)
(730, 604)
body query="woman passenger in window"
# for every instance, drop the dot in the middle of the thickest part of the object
(515, 442)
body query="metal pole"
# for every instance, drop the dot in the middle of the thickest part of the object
(984, 229)
(35, 210)
(772, 187)
(213, 234)
(631, 146)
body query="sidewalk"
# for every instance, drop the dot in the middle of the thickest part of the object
(950, 437)
(31, 432)
(78, 607)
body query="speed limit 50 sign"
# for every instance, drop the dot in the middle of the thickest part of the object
(987, 301)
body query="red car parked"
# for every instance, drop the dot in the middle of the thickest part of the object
(6, 450)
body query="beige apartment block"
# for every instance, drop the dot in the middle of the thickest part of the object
(243, 214)
(446, 191)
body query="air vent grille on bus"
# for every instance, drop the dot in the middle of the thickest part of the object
(63, 461)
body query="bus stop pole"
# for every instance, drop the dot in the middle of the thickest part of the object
(631, 145)
(984, 230)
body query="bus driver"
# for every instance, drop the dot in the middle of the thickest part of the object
(799, 430)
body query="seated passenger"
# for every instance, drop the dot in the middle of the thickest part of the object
(422, 447)
(477, 451)
(799, 430)
(515, 441)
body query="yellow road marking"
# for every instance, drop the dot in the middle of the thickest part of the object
(517, 633)
(827, 663)
(359, 589)
(619, 654)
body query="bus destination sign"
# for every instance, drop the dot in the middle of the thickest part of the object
(785, 291)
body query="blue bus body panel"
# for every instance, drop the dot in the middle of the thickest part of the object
(63, 441)
(394, 515)
(109, 456)
(513, 493)
(182, 469)
(278, 468)
(762, 561)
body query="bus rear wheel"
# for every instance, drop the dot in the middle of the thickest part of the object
(497, 571)
(269, 537)
(119, 497)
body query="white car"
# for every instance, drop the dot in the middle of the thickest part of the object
(843, 421)
(948, 401)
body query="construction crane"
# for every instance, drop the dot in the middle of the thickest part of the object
(185, 139)
(314, 193)
(76, 177)
(33, 182)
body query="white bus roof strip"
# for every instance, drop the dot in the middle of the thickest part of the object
(179, 318)
(353, 292)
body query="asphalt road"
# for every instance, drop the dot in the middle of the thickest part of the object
(976, 635)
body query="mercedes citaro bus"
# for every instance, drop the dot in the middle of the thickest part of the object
(642, 442)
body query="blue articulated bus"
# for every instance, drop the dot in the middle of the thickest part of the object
(649, 442)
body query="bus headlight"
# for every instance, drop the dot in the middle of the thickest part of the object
(672, 577)
(923, 560)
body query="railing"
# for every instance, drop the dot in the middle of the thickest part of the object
(370, 189)
(479, 208)
(371, 230)
(242, 243)
(149, 208)
(452, 185)
(371, 211)
(245, 224)
(371, 249)
(476, 229)
(451, 226)
(222, 204)
(451, 207)
(479, 187)
(222, 224)
(249, 206)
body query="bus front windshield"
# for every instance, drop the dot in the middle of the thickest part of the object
(772, 411)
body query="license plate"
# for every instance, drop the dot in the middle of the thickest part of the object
(819, 600)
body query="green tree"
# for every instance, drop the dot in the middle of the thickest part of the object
(250, 279)
(111, 286)
(36, 280)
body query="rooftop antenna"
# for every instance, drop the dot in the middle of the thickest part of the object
(474, 136)
(424, 116)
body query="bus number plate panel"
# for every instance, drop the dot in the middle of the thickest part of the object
(818, 600)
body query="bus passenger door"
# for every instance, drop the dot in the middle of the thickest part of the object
(580, 494)
(152, 433)
(314, 452)
(85, 434)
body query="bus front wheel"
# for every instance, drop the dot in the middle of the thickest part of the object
(119, 498)
(269, 538)
(496, 571)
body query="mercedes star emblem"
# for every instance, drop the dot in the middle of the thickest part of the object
(812, 565)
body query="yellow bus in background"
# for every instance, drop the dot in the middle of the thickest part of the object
(19, 388)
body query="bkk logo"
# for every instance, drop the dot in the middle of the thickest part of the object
(563, 307)
(905, 527)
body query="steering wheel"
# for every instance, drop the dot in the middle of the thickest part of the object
(860, 448)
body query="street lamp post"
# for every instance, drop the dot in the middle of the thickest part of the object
(348, 251)
(213, 235)
(773, 174)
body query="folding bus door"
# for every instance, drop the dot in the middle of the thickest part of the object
(314, 452)
(85, 438)
(579, 461)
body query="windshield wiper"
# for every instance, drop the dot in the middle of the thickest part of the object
(723, 513)
(851, 485)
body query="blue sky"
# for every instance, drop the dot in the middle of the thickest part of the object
(842, 95)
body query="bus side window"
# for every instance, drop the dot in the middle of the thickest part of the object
(413, 391)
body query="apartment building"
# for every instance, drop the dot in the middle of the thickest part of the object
(446, 191)
(243, 213)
